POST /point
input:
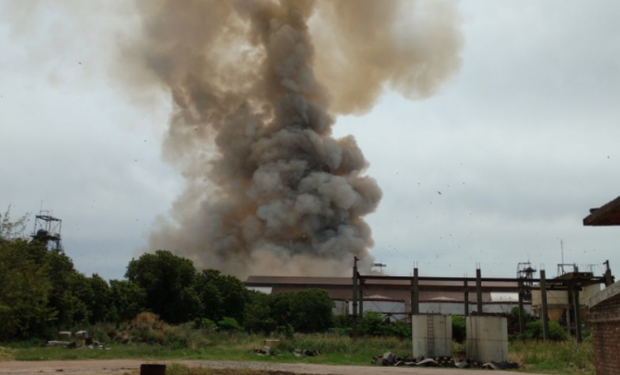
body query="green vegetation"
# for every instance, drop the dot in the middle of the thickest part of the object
(184, 342)
(553, 357)
(459, 329)
(206, 315)
(179, 369)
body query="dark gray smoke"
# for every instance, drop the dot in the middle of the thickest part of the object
(269, 190)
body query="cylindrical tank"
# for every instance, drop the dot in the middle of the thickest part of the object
(487, 338)
(432, 335)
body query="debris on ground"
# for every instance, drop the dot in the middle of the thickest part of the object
(305, 353)
(389, 359)
(266, 350)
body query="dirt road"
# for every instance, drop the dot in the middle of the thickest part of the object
(131, 366)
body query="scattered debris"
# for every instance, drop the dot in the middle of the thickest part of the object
(266, 350)
(389, 359)
(305, 353)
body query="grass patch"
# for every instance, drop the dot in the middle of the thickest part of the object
(6, 354)
(178, 369)
(237, 346)
(565, 357)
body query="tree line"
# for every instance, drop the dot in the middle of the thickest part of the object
(41, 292)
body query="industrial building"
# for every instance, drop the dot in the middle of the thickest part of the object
(393, 297)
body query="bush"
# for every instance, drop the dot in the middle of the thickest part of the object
(229, 324)
(459, 329)
(372, 323)
(534, 330)
(204, 323)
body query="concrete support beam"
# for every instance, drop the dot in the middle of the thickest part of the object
(521, 309)
(479, 290)
(577, 310)
(360, 299)
(415, 293)
(465, 298)
(354, 299)
(545, 310)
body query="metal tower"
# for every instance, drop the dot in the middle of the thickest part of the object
(47, 230)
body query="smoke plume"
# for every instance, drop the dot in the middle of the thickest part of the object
(269, 190)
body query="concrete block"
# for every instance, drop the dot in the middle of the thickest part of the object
(487, 338)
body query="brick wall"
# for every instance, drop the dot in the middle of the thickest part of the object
(605, 320)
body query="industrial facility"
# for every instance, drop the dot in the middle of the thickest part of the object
(563, 298)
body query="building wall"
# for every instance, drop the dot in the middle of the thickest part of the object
(605, 320)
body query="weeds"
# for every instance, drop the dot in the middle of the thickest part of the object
(160, 342)
(560, 357)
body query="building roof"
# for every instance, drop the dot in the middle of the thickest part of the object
(607, 215)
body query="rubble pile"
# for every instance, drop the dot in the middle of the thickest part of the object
(389, 359)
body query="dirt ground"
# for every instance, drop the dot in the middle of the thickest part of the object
(131, 366)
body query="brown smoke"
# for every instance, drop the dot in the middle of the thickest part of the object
(269, 190)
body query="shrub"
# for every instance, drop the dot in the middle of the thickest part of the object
(534, 330)
(229, 324)
(204, 323)
(459, 328)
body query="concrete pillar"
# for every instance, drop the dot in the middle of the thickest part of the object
(360, 299)
(545, 311)
(479, 290)
(432, 336)
(568, 320)
(354, 299)
(608, 278)
(521, 310)
(487, 338)
(466, 299)
(415, 294)
(577, 310)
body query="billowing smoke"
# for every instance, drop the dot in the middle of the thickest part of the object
(269, 190)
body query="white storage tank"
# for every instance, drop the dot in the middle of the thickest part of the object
(487, 338)
(432, 335)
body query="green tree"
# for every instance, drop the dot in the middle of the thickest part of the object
(221, 295)
(165, 278)
(307, 310)
(372, 323)
(459, 328)
(69, 289)
(258, 316)
(12, 229)
(98, 299)
(127, 299)
(24, 290)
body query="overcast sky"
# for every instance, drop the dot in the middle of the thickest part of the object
(496, 169)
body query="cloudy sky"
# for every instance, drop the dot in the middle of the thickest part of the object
(496, 169)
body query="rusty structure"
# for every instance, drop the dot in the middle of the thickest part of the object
(47, 230)
(572, 283)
